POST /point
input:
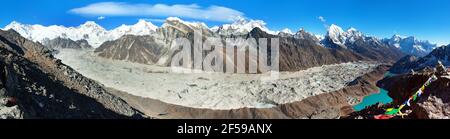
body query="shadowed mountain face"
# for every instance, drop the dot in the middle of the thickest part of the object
(59, 43)
(42, 87)
(304, 52)
(409, 63)
(376, 51)
(139, 49)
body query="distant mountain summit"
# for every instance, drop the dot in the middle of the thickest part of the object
(90, 31)
(242, 26)
(409, 63)
(370, 47)
(410, 45)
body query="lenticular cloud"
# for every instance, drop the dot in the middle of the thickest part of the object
(194, 11)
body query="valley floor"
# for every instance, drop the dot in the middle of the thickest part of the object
(213, 90)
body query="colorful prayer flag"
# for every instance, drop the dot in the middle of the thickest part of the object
(419, 93)
(401, 107)
(391, 111)
(394, 111)
(427, 83)
(434, 78)
(422, 88)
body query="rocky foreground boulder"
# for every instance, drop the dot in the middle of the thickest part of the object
(34, 84)
(434, 103)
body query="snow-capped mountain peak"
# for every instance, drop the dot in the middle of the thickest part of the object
(142, 27)
(20, 28)
(243, 26)
(336, 34)
(286, 30)
(13, 24)
(340, 37)
(90, 31)
(302, 34)
(144, 24)
(354, 32)
(410, 45)
(90, 24)
(197, 25)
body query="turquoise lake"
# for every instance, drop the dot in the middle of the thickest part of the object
(381, 97)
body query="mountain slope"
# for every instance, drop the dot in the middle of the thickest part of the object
(438, 54)
(305, 52)
(140, 49)
(59, 43)
(43, 87)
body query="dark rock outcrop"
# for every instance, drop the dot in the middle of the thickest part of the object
(433, 104)
(59, 43)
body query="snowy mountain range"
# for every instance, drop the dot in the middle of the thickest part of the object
(408, 45)
(95, 34)
(336, 35)
(90, 31)
(407, 64)
(355, 41)
(243, 26)
(411, 45)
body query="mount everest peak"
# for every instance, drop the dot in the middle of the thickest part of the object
(243, 26)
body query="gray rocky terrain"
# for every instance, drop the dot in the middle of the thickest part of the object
(34, 84)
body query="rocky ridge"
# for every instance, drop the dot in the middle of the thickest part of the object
(43, 87)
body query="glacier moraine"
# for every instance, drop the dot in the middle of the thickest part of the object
(213, 90)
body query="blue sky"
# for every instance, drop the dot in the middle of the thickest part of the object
(425, 19)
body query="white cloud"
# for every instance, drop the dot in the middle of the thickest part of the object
(324, 22)
(322, 19)
(101, 18)
(194, 11)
